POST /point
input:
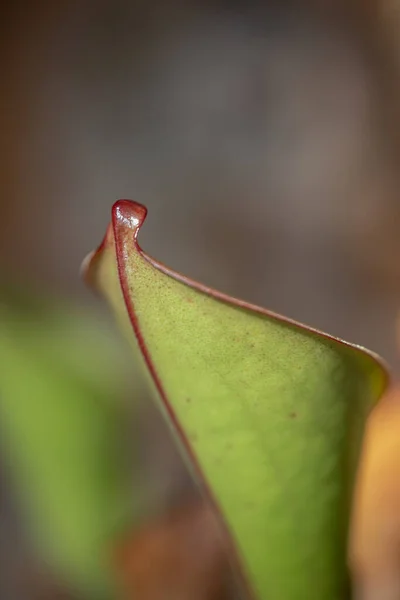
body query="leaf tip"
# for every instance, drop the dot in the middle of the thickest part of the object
(127, 213)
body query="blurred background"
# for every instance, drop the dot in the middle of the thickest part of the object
(263, 136)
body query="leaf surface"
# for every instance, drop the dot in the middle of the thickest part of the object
(269, 413)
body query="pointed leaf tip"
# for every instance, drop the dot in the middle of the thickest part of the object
(125, 214)
(129, 214)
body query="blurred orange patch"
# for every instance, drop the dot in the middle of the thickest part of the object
(178, 556)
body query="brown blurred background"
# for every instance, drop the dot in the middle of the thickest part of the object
(264, 137)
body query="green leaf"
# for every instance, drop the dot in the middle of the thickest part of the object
(269, 412)
(62, 424)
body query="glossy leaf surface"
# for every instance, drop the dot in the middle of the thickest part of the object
(62, 424)
(270, 412)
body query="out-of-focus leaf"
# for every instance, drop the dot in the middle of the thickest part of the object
(375, 532)
(63, 432)
(269, 412)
